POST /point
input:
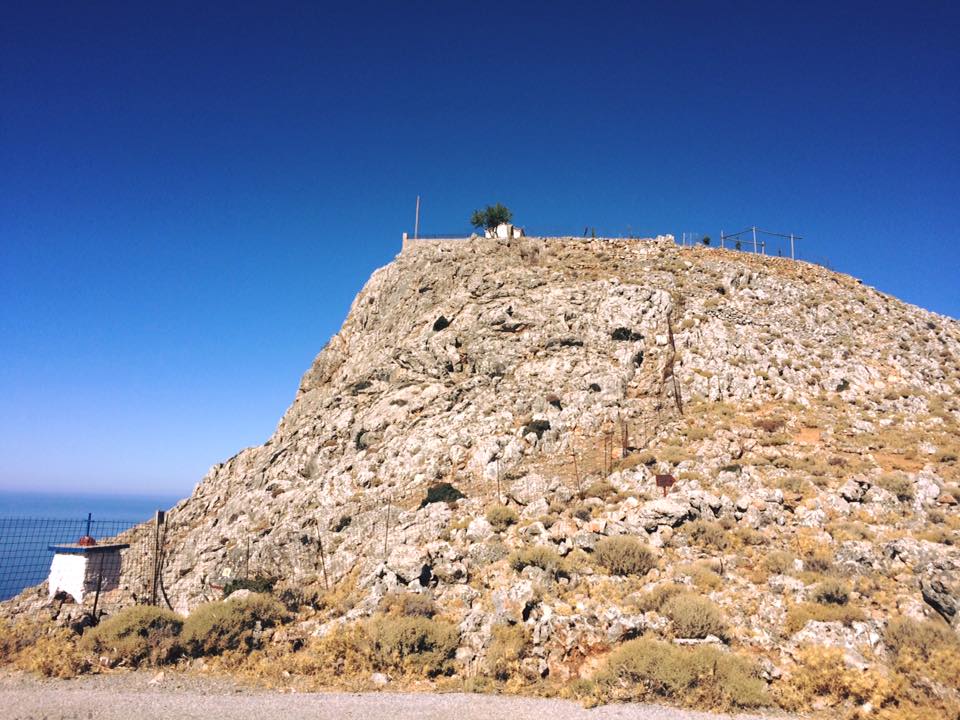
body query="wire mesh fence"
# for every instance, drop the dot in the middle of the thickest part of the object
(25, 553)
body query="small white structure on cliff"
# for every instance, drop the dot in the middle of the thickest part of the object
(78, 570)
(504, 231)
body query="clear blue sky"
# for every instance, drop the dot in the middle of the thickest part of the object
(192, 193)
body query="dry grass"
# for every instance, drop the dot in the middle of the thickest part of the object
(42, 649)
(821, 678)
(408, 604)
(507, 648)
(799, 615)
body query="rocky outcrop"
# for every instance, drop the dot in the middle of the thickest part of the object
(810, 423)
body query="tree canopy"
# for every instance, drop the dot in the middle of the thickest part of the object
(491, 216)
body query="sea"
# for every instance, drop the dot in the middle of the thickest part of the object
(31, 521)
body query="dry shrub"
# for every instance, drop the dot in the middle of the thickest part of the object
(770, 424)
(600, 489)
(898, 484)
(778, 562)
(704, 676)
(541, 556)
(624, 555)
(414, 645)
(925, 649)
(136, 635)
(694, 616)
(234, 624)
(704, 578)
(799, 615)
(655, 599)
(501, 517)
(817, 559)
(506, 650)
(344, 653)
(708, 534)
(408, 604)
(831, 592)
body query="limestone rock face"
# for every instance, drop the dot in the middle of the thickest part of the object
(811, 424)
(470, 361)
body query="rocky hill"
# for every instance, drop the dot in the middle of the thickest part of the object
(492, 416)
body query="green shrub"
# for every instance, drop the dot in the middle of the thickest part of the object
(506, 650)
(501, 517)
(708, 534)
(442, 492)
(258, 584)
(136, 635)
(414, 644)
(702, 676)
(831, 592)
(694, 616)
(624, 555)
(898, 484)
(408, 604)
(541, 556)
(216, 627)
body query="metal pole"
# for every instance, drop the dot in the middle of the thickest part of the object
(89, 520)
(754, 228)
(791, 246)
(721, 239)
(416, 222)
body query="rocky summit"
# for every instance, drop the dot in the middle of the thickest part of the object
(495, 417)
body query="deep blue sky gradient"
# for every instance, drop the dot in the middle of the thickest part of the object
(192, 193)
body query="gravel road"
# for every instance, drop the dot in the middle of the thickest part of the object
(142, 696)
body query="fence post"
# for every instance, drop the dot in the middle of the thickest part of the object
(323, 562)
(157, 558)
(791, 247)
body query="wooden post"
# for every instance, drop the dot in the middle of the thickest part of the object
(576, 474)
(386, 531)
(155, 580)
(96, 597)
(323, 562)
